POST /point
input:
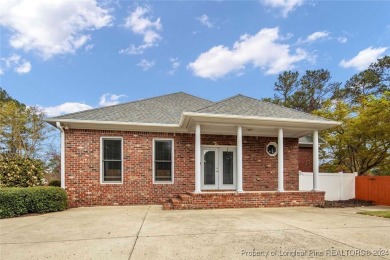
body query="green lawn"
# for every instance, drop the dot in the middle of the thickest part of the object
(383, 214)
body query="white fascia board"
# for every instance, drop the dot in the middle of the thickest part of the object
(49, 120)
(115, 125)
(313, 124)
(186, 118)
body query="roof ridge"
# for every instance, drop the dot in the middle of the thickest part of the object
(194, 96)
(126, 103)
(215, 103)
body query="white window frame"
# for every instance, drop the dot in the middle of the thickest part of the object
(102, 138)
(276, 146)
(172, 159)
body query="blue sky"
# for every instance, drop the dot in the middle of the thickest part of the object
(74, 55)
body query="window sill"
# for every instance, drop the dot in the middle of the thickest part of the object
(163, 182)
(114, 183)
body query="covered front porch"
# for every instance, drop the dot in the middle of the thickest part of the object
(220, 166)
(247, 162)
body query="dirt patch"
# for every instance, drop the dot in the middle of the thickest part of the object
(346, 203)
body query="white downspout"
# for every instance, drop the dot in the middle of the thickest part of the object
(58, 124)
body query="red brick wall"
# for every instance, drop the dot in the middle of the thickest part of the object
(82, 167)
(220, 200)
(305, 159)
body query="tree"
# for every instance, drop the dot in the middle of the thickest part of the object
(18, 171)
(53, 162)
(362, 142)
(5, 97)
(22, 129)
(315, 87)
(307, 93)
(286, 85)
(373, 81)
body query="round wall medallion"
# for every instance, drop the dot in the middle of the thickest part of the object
(272, 148)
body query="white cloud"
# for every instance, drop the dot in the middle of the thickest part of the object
(286, 6)
(146, 65)
(51, 27)
(106, 99)
(23, 68)
(262, 50)
(109, 99)
(364, 58)
(175, 64)
(15, 62)
(66, 108)
(89, 47)
(342, 39)
(140, 23)
(205, 20)
(317, 36)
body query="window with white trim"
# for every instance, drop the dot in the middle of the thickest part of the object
(272, 149)
(111, 155)
(163, 160)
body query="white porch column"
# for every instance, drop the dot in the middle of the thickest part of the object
(197, 159)
(280, 160)
(315, 160)
(239, 159)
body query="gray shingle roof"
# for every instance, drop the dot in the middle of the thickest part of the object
(306, 139)
(246, 106)
(168, 109)
(165, 109)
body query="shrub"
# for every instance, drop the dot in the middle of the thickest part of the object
(18, 171)
(55, 183)
(19, 201)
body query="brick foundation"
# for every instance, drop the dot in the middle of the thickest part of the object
(82, 167)
(255, 199)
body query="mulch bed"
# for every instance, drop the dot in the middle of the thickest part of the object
(346, 203)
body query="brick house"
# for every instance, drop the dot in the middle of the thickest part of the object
(183, 151)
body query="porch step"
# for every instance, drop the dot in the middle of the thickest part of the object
(181, 201)
(176, 201)
(167, 205)
(185, 197)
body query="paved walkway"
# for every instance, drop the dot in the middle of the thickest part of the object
(147, 232)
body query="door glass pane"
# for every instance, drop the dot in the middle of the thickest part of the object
(209, 168)
(227, 167)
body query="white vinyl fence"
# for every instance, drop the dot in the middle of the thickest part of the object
(337, 186)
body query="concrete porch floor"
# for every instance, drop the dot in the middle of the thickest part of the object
(148, 232)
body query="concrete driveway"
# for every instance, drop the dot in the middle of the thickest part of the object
(147, 232)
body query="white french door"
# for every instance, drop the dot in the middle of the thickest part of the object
(219, 168)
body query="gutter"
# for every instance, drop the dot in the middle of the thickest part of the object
(58, 124)
(258, 118)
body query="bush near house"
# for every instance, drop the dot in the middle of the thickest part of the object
(19, 201)
(56, 183)
(18, 171)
